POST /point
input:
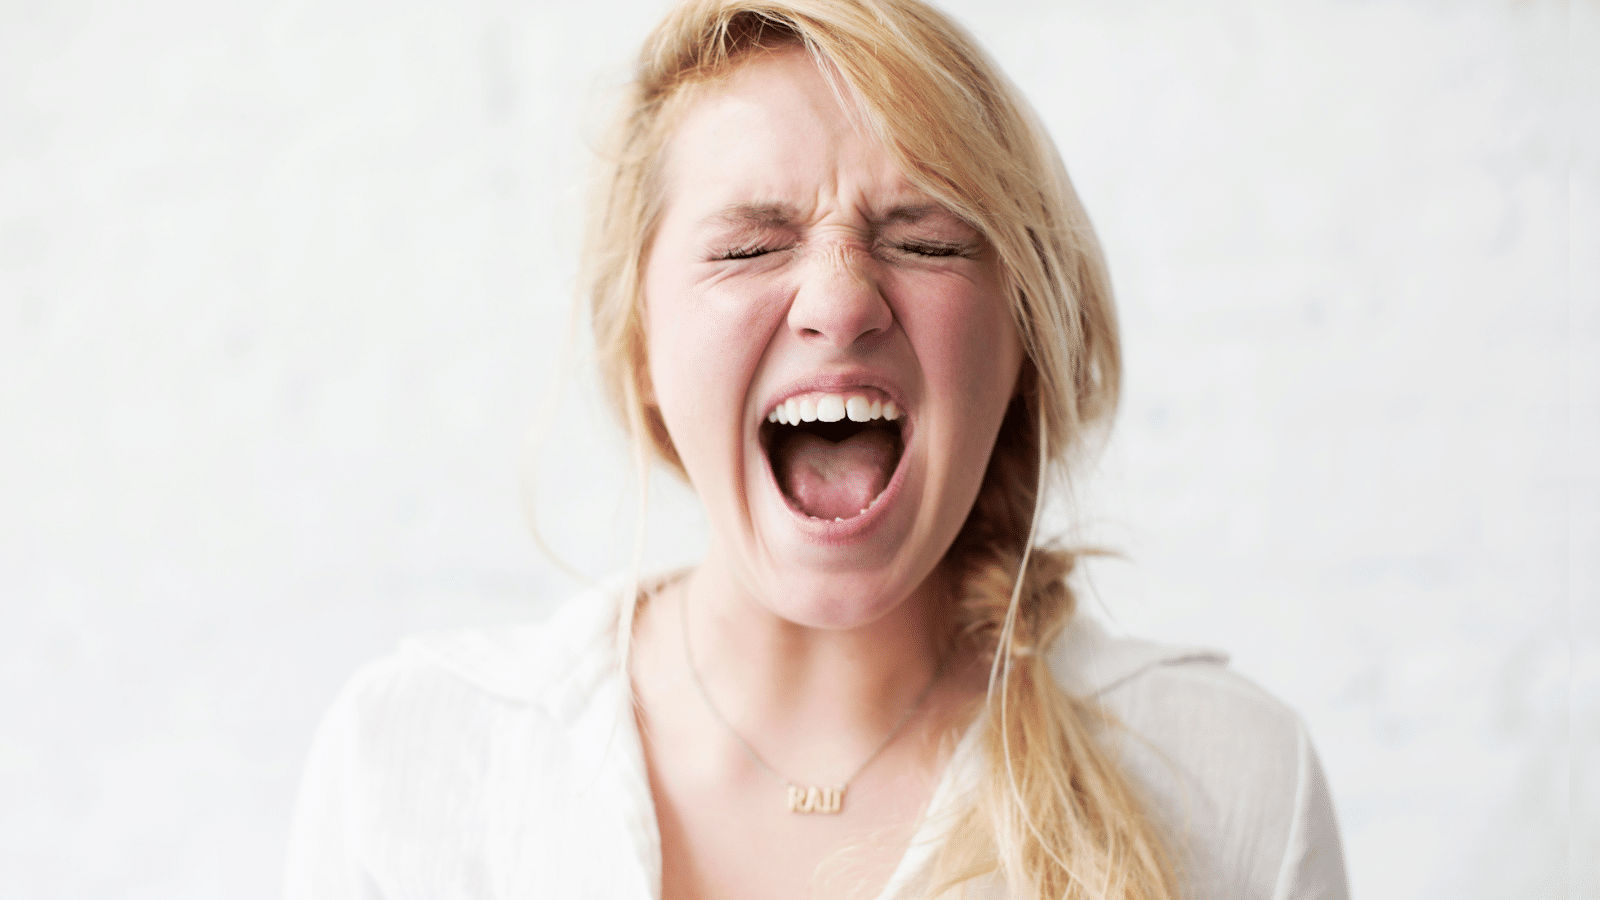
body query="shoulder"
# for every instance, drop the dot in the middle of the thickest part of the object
(1184, 700)
(550, 665)
(426, 724)
(445, 704)
(1226, 766)
(454, 738)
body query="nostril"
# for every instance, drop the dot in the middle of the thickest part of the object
(840, 301)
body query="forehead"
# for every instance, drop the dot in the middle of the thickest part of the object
(776, 132)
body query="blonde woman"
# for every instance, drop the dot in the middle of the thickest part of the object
(842, 285)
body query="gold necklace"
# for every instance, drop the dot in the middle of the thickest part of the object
(815, 799)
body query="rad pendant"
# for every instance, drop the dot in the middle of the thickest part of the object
(826, 801)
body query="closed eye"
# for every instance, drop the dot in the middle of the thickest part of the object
(746, 252)
(934, 249)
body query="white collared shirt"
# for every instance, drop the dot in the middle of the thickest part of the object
(506, 763)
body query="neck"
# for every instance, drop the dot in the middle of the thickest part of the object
(821, 697)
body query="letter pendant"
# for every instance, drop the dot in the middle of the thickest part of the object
(826, 801)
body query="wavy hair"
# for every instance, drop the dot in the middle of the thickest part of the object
(1054, 816)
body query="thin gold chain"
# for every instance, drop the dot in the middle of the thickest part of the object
(750, 751)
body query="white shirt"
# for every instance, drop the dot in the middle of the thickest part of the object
(506, 763)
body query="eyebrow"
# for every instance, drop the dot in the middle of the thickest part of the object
(913, 214)
(761, 215)
(782, 215)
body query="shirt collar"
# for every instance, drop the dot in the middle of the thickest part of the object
(560, 663)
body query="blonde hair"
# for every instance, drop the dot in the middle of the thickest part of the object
(1054, 816)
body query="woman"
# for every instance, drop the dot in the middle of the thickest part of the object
(841, 283)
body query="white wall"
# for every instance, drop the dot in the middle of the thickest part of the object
(282, 285)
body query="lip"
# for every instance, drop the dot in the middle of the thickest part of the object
(825, 531)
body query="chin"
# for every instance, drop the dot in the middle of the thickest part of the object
(835, 601)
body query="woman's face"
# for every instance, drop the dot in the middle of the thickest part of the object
(797, 273)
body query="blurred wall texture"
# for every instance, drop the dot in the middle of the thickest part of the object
(283, 285)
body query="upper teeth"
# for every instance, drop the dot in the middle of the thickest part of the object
(832, 408)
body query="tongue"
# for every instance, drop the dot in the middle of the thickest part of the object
(835, 480)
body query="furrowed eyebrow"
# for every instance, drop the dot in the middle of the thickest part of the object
(783, 215)
(914, 214)
(758, 215)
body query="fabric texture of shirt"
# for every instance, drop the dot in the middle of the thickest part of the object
(506, 763)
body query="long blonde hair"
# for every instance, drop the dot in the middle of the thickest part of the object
(1054, 816)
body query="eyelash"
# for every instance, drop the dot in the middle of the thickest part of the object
(916, 248)
(739, 253)
(936, 251)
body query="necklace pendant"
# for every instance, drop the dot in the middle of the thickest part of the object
(827, 801)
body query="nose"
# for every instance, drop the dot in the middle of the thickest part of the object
(839, 301)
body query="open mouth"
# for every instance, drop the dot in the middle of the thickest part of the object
(834, 454)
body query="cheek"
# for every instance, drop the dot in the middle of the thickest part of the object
(973, 354)
(703, 349)
(676, 366)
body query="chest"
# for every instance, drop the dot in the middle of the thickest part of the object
(504, 802)
(742, 839)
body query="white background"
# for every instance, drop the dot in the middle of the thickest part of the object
(282, 286)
